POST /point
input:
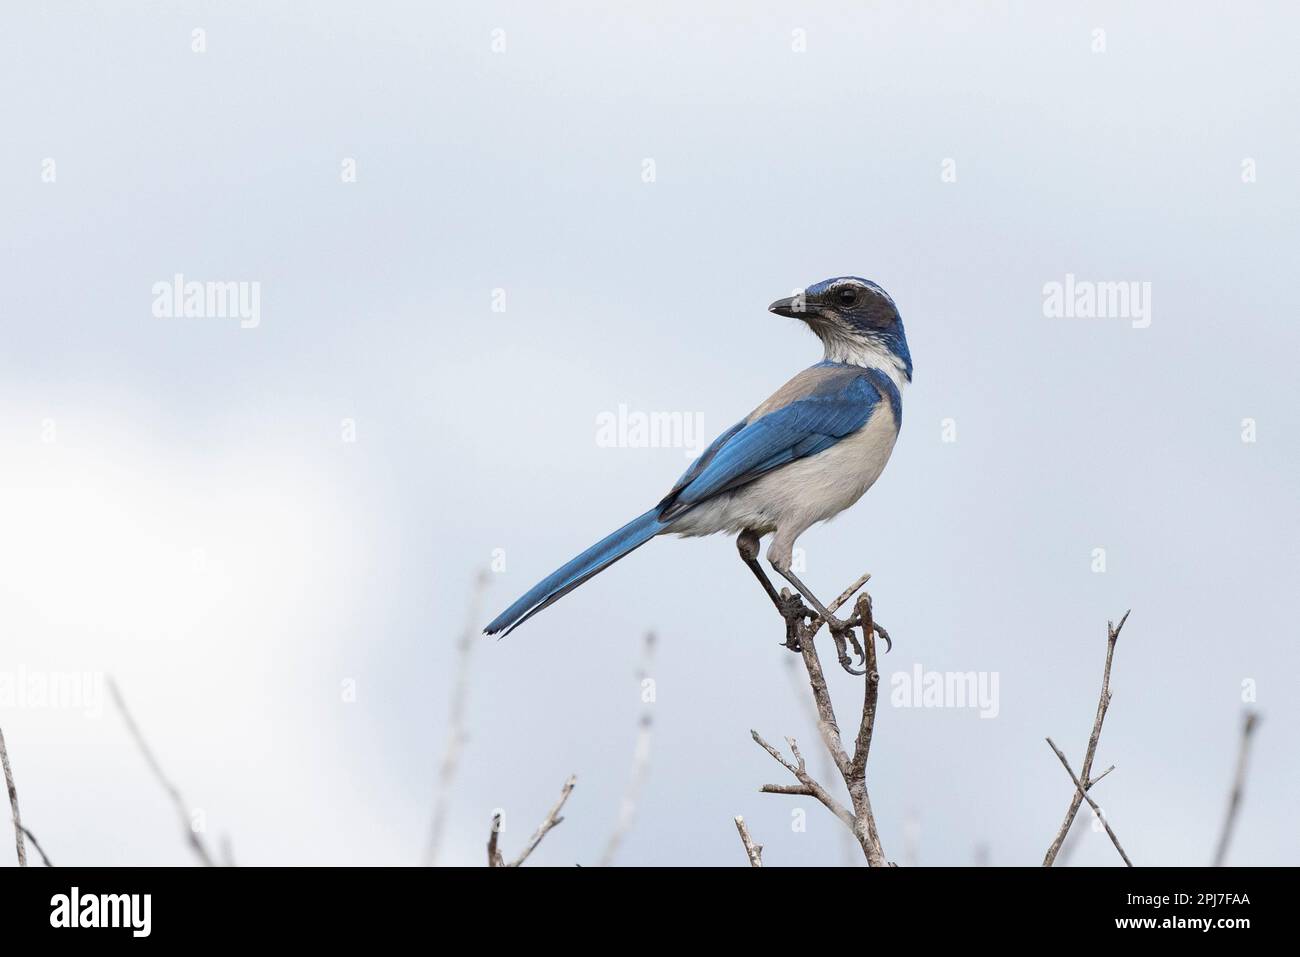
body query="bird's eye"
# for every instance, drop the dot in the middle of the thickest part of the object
(848, 296)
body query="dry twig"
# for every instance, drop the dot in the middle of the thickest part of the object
(1079, 789)
(456, 734)
(1112, 636)
(1071, 842)
(640, 761)
(1248, 725)
(13, 802)
(192, 838)
(494, 855)
(752, 850)
(36, 844)
(552, 819)
(825, 769)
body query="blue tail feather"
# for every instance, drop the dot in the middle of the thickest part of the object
(569, 576)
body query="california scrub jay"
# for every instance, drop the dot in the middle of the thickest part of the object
(801, 457)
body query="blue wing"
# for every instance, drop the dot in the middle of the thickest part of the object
(827, 407)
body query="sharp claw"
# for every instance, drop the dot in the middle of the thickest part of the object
(842, 650)
(847, 666)
(889, 644)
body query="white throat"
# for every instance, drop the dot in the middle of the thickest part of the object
(869, 354)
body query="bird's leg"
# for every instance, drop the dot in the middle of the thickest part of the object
(747, 544)
(834, 623)
(790, 607)
(838, 628)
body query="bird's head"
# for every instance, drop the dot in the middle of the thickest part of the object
(856, 320)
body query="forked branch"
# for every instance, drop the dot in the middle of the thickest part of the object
(801, 628)
(1080, 789)
(552, 820)
(1085, 781)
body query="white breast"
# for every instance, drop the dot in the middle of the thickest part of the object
(796, 496)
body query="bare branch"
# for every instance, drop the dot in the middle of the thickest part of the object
(1249, 722)
(1100, 776)
(861, 820)
(552, 820)
(494, 856)
(871, 692)
(1071, 842)
(799, 789)
(754, 851)
(1079, 790)
(827, 726)
(800, 771)
(192, 837)
(856, 779)
(456, 735)
(826, 768)
(640, 761)
(36, 844)
(13, 802)
(1112, 636)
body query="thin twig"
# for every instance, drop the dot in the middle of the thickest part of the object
(1248, 725)
(192, 837)
(456, 734)
(494, 856)
(752, 850)
(826, 769)
(1071, 841)
(838, 603)
(640, 759)
(552, 820)
(800, 789)
(862, 746)
(1100, 776)
(13, 802)
(1112, 636)
(36, 844)
(1080, 790)
(800, 771)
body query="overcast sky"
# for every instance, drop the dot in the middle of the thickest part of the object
(479, 230)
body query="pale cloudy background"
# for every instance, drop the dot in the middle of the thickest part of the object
(198, 528)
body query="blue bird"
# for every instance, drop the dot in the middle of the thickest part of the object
(803, 456)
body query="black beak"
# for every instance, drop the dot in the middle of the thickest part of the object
(794, 307)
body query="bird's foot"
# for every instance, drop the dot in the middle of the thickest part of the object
(843, 635)
(794, 611)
